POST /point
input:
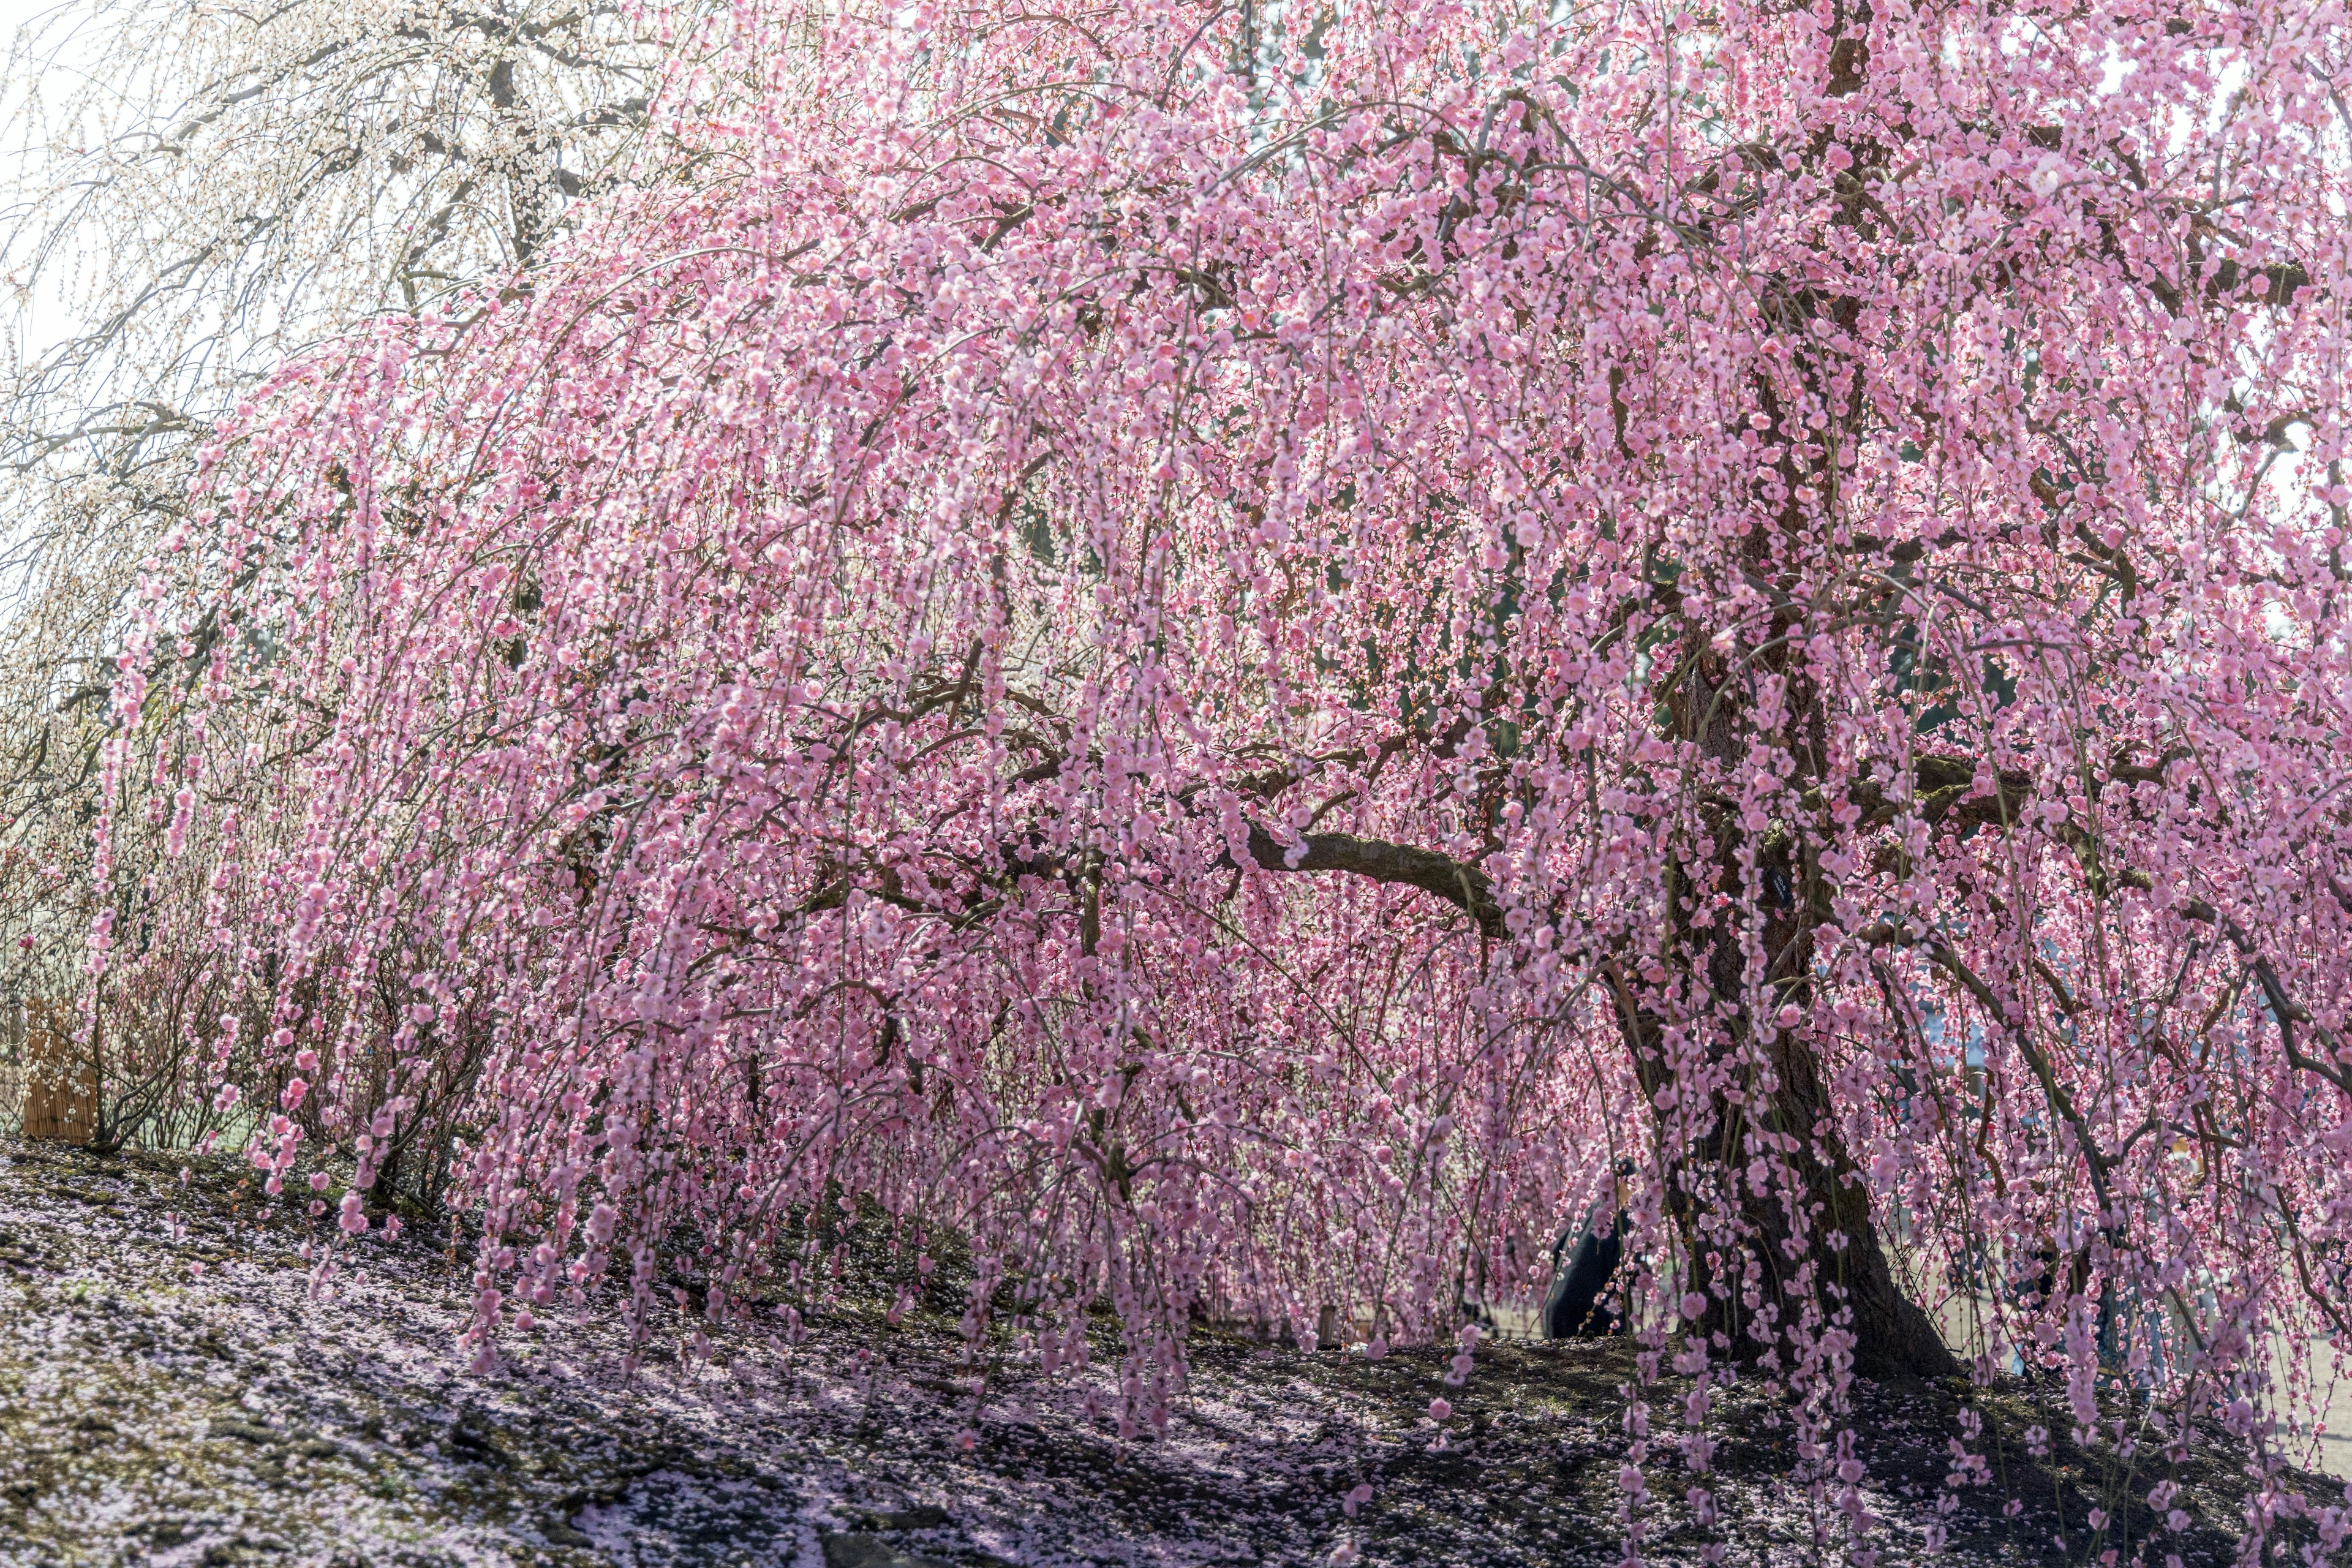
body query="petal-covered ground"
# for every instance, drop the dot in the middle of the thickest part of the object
(174, 1391)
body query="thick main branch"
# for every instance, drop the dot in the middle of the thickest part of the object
(1465, 887)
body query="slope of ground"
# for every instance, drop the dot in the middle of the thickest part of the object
(174, 1392)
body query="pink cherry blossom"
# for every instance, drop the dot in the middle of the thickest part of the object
(1230, 667)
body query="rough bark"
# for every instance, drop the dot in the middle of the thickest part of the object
(1893, 1337)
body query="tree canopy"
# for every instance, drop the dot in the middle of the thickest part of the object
(1221, 653)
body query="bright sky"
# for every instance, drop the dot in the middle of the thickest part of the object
(15, 13)
(25, 318)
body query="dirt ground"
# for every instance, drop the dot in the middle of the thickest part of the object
(174, 1392)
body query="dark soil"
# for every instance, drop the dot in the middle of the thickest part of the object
(183, 1396)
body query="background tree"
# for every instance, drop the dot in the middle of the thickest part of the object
(199, 193)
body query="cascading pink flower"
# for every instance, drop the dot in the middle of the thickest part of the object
(1231, 664)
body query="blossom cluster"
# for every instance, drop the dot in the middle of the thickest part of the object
(1221, 662)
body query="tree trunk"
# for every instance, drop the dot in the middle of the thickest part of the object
(1893, 1338)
